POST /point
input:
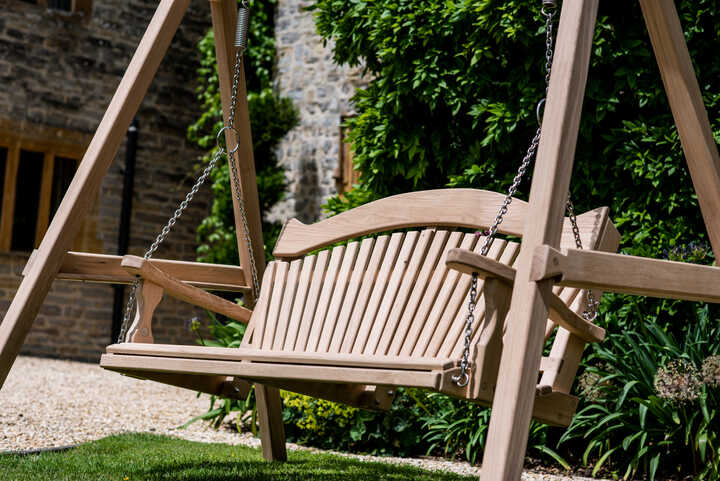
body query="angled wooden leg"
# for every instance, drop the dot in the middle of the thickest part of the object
(272, 430)
(86, 183)
(686, 101)
(520, 362)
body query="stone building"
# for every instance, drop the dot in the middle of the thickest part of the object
(60, 62)
(314, 155)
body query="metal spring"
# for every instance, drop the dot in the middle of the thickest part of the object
(243, 25)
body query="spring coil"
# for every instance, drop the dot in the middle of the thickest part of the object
(243, 25)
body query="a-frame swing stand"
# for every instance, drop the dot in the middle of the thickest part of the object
(540, 265)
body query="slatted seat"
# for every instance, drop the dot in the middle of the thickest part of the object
(382, 311)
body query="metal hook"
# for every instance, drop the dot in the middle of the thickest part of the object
(539, 111)
(217, 139)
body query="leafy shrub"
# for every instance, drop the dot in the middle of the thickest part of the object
(458, 429)
(271, 118)
(651, 401)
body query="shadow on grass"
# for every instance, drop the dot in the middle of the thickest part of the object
(144, 457)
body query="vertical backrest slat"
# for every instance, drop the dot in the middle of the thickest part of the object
(328, 291)
(378, 291)
(435, 278)
(453, 323)
(421, 286)
(259, 316)
(402, 301)
(351, 297)
(340, 296)
(286, 310)
(439, 302)
(306, 273)
(377, 256)
(316, 283)
(406, 266)
(276, 296)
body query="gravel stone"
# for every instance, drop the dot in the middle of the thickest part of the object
(49, 402)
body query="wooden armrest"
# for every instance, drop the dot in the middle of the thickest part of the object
(138, 266)
(468, 262)
(640, 276)
(83, 266)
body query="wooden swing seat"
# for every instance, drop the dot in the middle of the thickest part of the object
(383, 312)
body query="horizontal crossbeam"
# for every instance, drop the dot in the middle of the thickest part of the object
(627, 274)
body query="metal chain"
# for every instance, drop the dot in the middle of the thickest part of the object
(463, 378)
(591, 309)
(241, 43)
(163, 235)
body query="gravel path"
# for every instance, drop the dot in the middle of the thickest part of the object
(47, 403)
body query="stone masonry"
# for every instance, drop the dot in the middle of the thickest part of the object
(61, 70)
(321, 91)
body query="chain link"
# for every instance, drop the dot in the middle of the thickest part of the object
(163, 235)
(462, 379)
(591, 308)
(132, 296)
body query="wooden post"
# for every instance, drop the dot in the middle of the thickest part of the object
(85, 185)
(224, 17)
(688, 109)
(520, 362)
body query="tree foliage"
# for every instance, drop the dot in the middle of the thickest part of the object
(271, 117)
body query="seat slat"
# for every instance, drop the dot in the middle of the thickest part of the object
(326, 294)
(393, 295)
(263, 355)
(339, 297)
(260, 371)
(379, 286)
(351, 297)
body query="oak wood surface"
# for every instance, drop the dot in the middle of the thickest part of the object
(686, 102)
(517, 378)
(470, 208)
(250, 354)
(81, 266)
(184, 292)
(628, 274)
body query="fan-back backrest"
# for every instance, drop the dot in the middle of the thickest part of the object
(390, 295)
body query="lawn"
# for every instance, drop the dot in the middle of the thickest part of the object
(145, 457)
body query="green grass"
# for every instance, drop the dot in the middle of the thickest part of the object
(145, 457)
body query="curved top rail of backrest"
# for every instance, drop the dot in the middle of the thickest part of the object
(469, 208)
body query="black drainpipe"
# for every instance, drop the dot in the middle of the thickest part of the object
(124, 231)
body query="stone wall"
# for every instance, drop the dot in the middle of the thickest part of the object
(61, 71)
(321, 91)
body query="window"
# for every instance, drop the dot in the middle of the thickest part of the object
(80, 6)
(345, 174)
(37, 165)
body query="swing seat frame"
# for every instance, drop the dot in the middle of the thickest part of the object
(388, 311)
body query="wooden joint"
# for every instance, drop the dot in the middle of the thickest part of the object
(547, 264)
